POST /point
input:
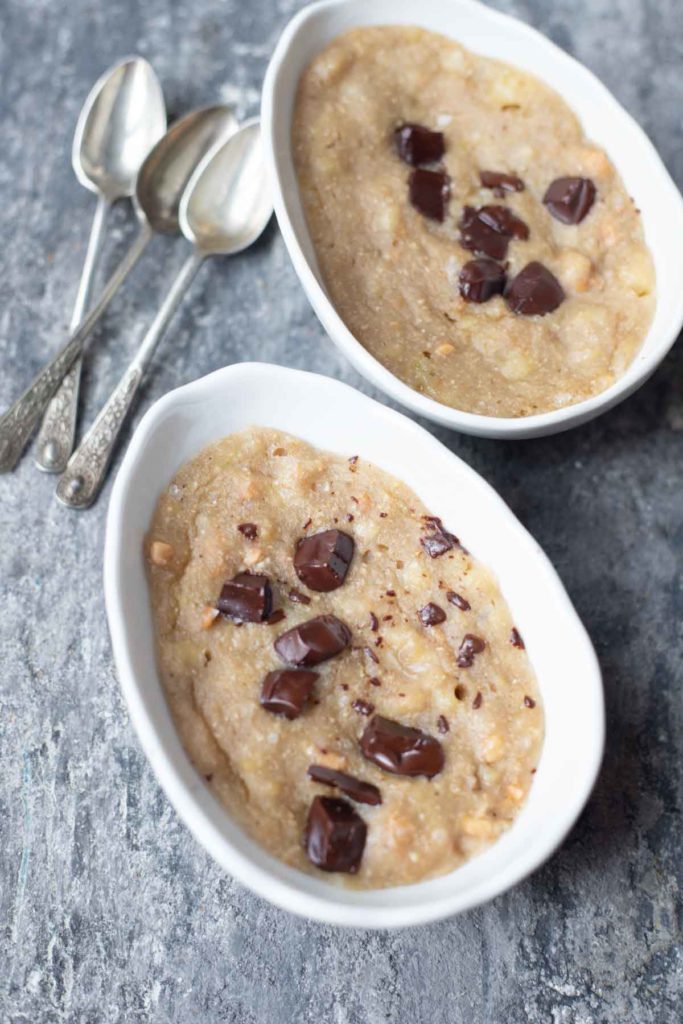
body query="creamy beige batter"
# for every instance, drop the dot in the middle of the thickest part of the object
(487, 717)
(393, 274)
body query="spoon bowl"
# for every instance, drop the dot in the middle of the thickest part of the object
(125, 117)
(165, 174)
(227, 203)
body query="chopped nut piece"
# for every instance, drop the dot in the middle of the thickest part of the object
(209, 616)
(161, 553)
(252, 556)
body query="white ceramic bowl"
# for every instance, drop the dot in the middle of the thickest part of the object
(337, 418)
(493, 35)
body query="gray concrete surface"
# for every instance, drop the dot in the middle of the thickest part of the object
(109, 911)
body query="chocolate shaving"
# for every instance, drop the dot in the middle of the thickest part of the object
(516, 639)
(248, 530)
(470, 646)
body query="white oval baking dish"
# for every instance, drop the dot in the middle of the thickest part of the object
(494, 35)
(335, 417)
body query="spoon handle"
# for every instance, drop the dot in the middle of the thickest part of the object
(56, 435)
(18, 423)
(84, 475)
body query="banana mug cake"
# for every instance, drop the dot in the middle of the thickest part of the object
(343, 673)
(469, 235)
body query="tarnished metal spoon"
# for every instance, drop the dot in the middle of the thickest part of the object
(224, 210)
(161, 183)
(122, 118)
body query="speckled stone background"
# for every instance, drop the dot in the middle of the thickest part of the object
(109, 911)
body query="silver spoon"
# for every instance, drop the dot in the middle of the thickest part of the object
(225, 208)
(161, 183)
(122, 118)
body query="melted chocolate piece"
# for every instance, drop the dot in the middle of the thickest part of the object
(401, 750)
(248, 530)
(247, 597)
(534, 292)
(431, 615)
(418, 145)
(570, 199)
(286, 690)
(429, 193)
(470, 646)
(481, 279)
(335, 835)
(516, 638)
(363, 707)
(458, 601)
(487, 230)
(356, 789)
(322, 560)
(500, 182)
(313, 641)
(439, 541)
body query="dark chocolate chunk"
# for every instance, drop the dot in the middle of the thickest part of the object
(286, 690)
(248, 530)
(458, 601)
(363, 707)
(335, 835)
(570, 199)
(470, 646)
(297, 597)
(418, 145)
(431, 615)
(313, 641)
(516, 638)
(322, 560)
(356, 789)
(535, 291)
(400, 749)
(529, 702)
(476, 703)
(481, 279)
(500, 182)
(442, 724)
(487, 230)
(247, 597)
(439, 541)
(429, 193)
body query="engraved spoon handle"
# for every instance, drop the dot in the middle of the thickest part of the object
(57, 431)
(85, 473)
(18, 423)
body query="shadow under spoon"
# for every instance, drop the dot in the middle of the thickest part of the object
(224, 210)
(160, 185)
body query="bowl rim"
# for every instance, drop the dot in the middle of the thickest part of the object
(540, 424)
(187, 799)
